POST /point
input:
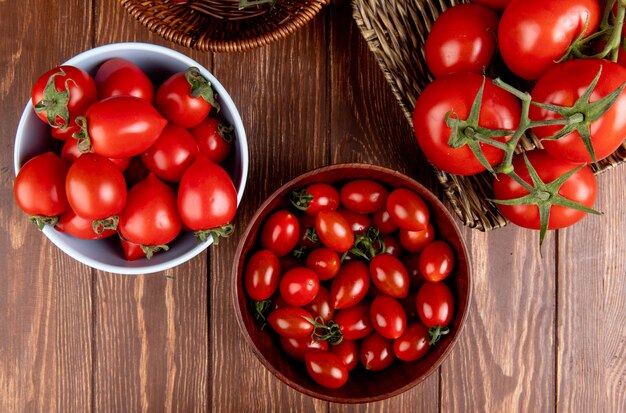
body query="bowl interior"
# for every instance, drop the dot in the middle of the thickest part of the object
(363, 386)
(33, 138)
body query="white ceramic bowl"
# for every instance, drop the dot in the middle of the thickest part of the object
(159, 63)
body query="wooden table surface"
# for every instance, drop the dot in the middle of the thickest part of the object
(544, 334)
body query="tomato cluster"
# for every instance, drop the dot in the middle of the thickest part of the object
(353, 276)
(565, 57)
(129, 157)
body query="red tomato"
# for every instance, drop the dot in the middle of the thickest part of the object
(581, 187)
(383, 221)
(121, 127)
(150, 216)
(315, 198)
(354, 322)
(350, 286)
(412, 265)
(393, 246)
(334, 231)
(261, 275)
(61, 94)
(462, 39)
(435, 304)
(78, 227)
(132, 251)
(95, 188)
(207, 198)
(63, 134)
(70, 153)
(389, 275)
(291, 322)
(186, 98)
(121, 77)
(288, 262)
(388, 316)
(308, 235)
(456, 93)
(363, 196)
(136, 171)
(39, 188)
(413, 344)
(299, 286)
(172, 153)
(408, 304)
(214, 139)
(280, 232)
(415, 241)
(534, 34)
(297, 347)
(348, 352)
(321, 306)
(376, 352)
(408, 209)
(437, 261)
(562, 85)
(325, 262)
(497, 5)
(358, 222)
(326, 369)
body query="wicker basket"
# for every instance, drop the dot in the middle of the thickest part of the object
(219, 25)
(395, 32)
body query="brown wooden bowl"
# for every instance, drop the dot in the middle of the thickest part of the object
(362, 386)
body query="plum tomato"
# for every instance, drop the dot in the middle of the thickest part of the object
(325, 262)
(296, 348)
(354, 322)
(408, 209)
(315, 198)
(261, 275)
(413, 344)
(437, 261)
(326, 369)
(389, 275)
(363, 196)
(291, 322)
(334, 231)
(462, 39)
(171, 154)
(348, 352)
(412, 265)
(376, 352)
(435, 304)
(70, 152)
(299, 286)
(280, 232)
(415, 241)
(78, 227)
(393, 246)
(214, 139)
(321, 306)
(350, 285)
(121, 77)
(383, 221)
(388, 316)
(131, 250)
(358, 222)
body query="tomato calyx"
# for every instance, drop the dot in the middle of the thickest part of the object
(54, 102)
(544, 195)
(299, 252)
(301, 199)
(435, 333)
(84, 141)
(200, 86)
(260, 310)
(224, 231)
(41, 221)
(226, 132)
(150, 250)
(100, 225)
(325, 332)
(367, 245)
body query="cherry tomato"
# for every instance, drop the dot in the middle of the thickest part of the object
(121, 127)
(207, 198)
(291, 322)
(321, 306)
(131, 250)
(214, 139)
(437, 261)
(172, 153)
(435, 304)
(533, 35)
(363, 196)
(64, 133)
(297, 347)
(456, 93)
(299, 286)
(389, 275)
(350, 286)
(393, 246)
(412, 265)
(376, 352)
(61, 94)
(358, 222)
(70, 152)
(326, 369)
(308, 235)
(121, 77)
(185, 98)
(562, 85)
(325, 262)
(383, 221)
(39, 188)
(462, 39)
(581, 187)
(408, 304)
(261, 275)
(348, 352)
(388, 316)
(78, 227)
(334, 231)
(354, 322)
(497, 5)
(315, 198)
(279, 233)
(95, 188)
(408, 210)
(413, 344)
(415, 241)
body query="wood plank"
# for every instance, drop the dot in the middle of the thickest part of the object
(282, 95)
(45, 296)
(151, 332)
(591, 302)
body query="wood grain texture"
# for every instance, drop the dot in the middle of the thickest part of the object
(591, 299)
